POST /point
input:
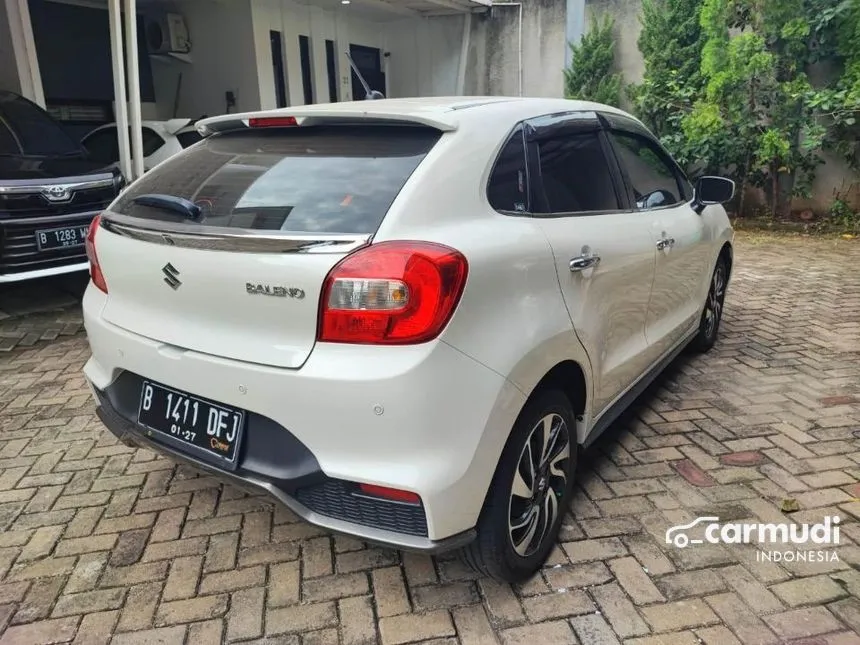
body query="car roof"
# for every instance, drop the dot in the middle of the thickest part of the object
(442, 112)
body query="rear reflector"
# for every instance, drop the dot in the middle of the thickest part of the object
(392, 494)
(272, 122)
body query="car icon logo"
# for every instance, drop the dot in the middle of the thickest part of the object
(58, 193)
(171, 276)
(676, 537)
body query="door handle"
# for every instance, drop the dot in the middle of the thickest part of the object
(584, 262)
(666, 242)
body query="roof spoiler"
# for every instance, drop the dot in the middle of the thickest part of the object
(354, 113)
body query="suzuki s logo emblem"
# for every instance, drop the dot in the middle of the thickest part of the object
(58, 193)
(171, 276)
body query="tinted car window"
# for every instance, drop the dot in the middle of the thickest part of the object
(508, 187)
(576, 175)
(152, 141)
(652, 175)
(8, 145)
(37, 134)
(319, 179)
(188, 138)
(103, 146)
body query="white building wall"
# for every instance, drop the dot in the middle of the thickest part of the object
(293, 20)
(423, 53)
(222, 59)
(425, 56)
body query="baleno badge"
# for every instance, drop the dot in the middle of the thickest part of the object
(274, 290)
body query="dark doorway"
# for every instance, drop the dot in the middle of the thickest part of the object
(307, 78)
(331, 68)
(277, 41)
(369, 62)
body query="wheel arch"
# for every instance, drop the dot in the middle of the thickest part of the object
(571, 376)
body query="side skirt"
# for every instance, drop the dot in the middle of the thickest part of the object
(625, 400)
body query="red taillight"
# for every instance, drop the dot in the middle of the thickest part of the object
(96, 274)
(272, 122)
(393, 494)
(392, 293)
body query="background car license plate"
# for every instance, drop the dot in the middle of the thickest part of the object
(61, 238)
(211, 427)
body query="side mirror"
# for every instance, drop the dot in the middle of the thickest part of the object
(713, 190)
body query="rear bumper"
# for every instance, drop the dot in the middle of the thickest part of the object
(426, 419)
(256, 483)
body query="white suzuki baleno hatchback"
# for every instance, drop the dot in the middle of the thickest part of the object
(404, 319)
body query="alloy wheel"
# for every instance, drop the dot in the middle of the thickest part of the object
(540, 480)
(714, 305)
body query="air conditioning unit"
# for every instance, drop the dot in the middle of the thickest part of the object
(167, 34)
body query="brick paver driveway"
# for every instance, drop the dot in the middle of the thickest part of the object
(103, 542)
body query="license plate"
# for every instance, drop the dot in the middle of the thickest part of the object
(61, 238)
(191, 423)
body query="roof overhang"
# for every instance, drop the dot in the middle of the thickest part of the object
(403, 8)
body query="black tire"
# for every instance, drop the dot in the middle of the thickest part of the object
(493, 553)
(712, 312)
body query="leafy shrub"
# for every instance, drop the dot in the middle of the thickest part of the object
(590, 76)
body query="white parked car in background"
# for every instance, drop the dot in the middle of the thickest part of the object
(404, 319)
(161, 140)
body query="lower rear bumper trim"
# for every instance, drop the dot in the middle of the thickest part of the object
(128, 434)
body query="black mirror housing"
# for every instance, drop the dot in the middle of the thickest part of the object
(714, 190)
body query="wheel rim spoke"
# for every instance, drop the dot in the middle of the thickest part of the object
(530, 463)
(521, 488)
(521, 546)
(547, 437)
(539, 481)
(549, 510)
(555, 463)
(714, 306)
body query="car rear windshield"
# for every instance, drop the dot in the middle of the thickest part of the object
(323, 179)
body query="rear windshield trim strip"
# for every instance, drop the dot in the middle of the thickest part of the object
(212, 238)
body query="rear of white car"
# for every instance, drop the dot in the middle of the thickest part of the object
(393, 315)
(240, 320)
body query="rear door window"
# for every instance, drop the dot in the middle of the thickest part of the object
(323, 179)
(575, 174)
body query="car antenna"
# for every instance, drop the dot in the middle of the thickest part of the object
(369, 94)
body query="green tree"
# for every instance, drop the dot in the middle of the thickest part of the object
(671, 43)
(759, 116)
(590, 76)
(844, 100)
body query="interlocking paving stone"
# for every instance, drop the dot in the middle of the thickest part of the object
(100, 543)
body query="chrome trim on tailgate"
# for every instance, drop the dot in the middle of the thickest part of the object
(219, 238)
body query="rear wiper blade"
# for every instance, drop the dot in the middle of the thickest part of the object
(178, 205)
